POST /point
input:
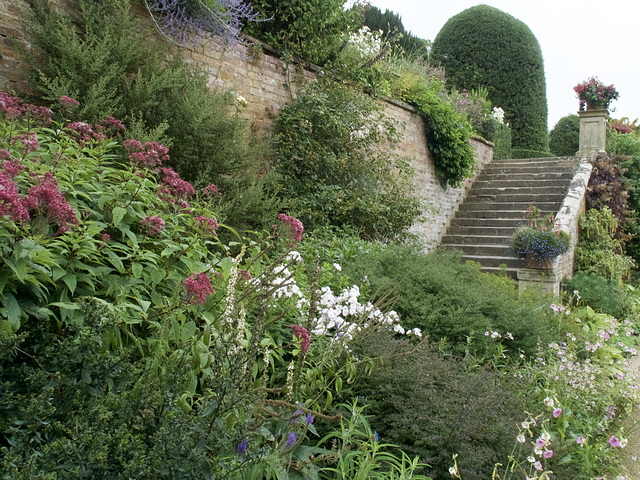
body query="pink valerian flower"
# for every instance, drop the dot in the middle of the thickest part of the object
(13, 167)
(211, 190)
(46, 197)
(10, 202)
(296, 226)
(69, 103)
(111, 127)
(83, 132)
(198, 288)
(151, 155)
(30, 142)
(40, 114)
(10, 107)
(153, 224)
(301, 334)
(173, 187)
(207, 225)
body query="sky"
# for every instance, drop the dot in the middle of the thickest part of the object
(578, 38)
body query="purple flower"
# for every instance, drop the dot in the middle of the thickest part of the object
(291, 441)
(309, 419)
(580, 440)
(614, 442)
(242, 446)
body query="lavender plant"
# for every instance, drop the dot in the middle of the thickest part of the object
(186, 22)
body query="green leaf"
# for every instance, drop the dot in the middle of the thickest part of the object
(14, 312)
(66, 305)
(136, 268)
(71, 282)
(118, 214)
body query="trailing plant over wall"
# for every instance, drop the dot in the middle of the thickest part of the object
(334, 151)
(186, 21)
(485, 47)
(448, 132)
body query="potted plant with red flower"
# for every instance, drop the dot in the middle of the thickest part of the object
(595, 95)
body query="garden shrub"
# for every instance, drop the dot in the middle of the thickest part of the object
(564, 139)
(608, 187)
(310, 29)
(102, 57)
(500, 134)
(485, 47)
(602, 294)
(601, 250)
(390, 23)
(435, 407)
(451, 300)
(334, 153)
(135, 342)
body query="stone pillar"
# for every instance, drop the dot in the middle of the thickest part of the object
(593, 129)
(547, 280)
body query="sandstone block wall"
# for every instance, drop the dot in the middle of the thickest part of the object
(268, 84)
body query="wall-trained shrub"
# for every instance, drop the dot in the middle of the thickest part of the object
(485, 47)
(334, 153)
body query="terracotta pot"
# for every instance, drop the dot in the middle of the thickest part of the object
(538, 264)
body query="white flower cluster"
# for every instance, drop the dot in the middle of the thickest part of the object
(365, 43)
(498, 114)
(337, 315)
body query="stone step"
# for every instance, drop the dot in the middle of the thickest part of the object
(495, 262)
(462, 239)
(529, 182)
(511, 196)
(555, 162)
(489, 189)
(534, 176)
(479, 206)
(501, 250)
(494, 230)
(466, 222)
(529, 170)
(499, 214)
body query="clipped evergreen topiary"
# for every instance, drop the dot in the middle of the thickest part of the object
(485, 47)
(564, 139)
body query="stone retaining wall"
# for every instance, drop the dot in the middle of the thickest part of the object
(268, 84)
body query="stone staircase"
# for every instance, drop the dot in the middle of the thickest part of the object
(497, 204)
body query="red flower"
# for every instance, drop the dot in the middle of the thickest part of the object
(199, 288)
(301, 334)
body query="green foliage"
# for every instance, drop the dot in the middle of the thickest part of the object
(498, 133)
(526, 153)
(390, 23)
(435, 406)
(600, 250)
(130, 333)
(603, 295)
(448, 131)
(310, 29)
(608, 187)
(450, 300)
(565, 137)
(485, 47)
(103, 58)
(333, 153)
